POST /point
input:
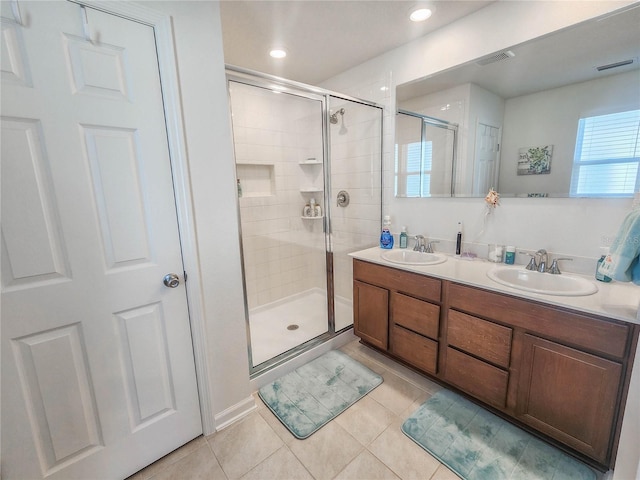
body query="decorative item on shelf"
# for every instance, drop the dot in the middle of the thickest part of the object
(492, 198)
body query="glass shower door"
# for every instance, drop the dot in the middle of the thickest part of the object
(278, 139)
(355, 197)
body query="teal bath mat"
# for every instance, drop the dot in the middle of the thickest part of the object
(478, 445)
(310, 396)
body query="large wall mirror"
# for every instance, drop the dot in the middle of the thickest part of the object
(557, 116)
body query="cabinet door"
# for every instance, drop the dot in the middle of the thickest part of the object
(371, 314)
(569, 395)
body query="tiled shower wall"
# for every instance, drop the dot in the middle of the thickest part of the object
(283, 253)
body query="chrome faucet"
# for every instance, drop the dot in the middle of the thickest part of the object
(419, 246)
(542, 264)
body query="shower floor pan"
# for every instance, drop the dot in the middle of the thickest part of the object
(291, 321)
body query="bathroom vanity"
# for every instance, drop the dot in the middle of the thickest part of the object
(555, 365)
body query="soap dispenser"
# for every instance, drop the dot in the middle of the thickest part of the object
(386, 239)
(403, 238)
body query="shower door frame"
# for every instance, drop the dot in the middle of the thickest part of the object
(278, 84)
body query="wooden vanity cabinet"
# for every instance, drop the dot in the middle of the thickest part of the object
(561, 372)
(413, 331)
(569, 395)
(371, 314)
(478, 357)
(396, 311)
(566, 368)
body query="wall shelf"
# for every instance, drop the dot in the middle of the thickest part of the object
(311, 190)
(312, 218)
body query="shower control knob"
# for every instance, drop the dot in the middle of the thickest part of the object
(343, 198)
(171, 280)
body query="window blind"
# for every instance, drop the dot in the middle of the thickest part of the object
(607, 155)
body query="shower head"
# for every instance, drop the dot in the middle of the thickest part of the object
(333, 118)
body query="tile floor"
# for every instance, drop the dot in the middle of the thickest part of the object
(363, 443)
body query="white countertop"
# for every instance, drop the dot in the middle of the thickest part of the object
(614, 300)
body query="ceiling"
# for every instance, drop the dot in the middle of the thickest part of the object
(325, 37)
(562, 58)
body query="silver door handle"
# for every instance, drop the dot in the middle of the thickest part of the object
(171, 280)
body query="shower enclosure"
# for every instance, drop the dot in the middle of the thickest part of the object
(308, 166)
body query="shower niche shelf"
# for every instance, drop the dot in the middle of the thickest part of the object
(257, 180)
(311, 190)
(306, 162)
(312, 218)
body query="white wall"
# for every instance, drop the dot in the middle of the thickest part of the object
(200, 62)
(571, 226)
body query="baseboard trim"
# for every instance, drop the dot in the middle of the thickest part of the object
(234, 413)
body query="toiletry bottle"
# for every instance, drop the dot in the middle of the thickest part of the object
(386, 239)
(510, 255)
(306, 211)
(604, 251)
(239, 189)
(317, 211)
(312, 203)
(403, 238)
(459, 239)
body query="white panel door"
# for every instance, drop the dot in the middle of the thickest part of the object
(485, 175)
(98, 376)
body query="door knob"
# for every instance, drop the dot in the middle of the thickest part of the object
(171, 280)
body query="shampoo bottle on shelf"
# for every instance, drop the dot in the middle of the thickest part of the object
(312, 203)
(386, 239)
(403, 238)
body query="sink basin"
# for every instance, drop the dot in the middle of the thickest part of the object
(546, 283)
(411, 257)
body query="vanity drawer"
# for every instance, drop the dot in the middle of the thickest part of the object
(602, 336)
(393, 279)
(486, 340)
(484, 381)
(415, 349)
(416, 315)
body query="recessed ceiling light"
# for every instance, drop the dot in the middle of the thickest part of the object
(278, 53)
(420, 14)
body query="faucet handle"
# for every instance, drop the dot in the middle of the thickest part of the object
(533, 265)
(554, 269)
(419, 243)
(429, 248)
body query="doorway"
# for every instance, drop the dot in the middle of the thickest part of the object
(98, 370)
